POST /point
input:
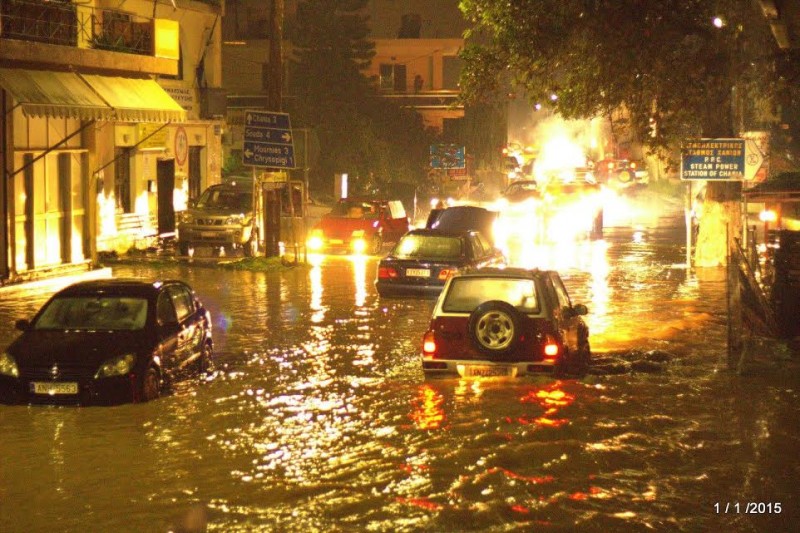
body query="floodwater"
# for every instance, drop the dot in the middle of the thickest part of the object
(320, 419)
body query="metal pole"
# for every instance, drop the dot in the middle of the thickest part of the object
(689, 227)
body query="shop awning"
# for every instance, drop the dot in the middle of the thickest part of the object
(55, 94)
(136, 100)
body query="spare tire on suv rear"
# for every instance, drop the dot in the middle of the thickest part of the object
(494, 328)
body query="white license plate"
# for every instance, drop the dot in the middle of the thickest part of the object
(55, 387)
(418, 272)
(208, 234)
(487, 371)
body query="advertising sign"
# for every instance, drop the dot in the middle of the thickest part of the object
(447, 156)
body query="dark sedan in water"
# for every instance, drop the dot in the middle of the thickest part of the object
(423, 260)
(107, 341)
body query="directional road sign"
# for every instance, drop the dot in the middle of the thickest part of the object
(713, 160)
(268, 140)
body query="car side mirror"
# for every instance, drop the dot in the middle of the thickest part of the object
(579, 310)
(192, 203)
(23, 324)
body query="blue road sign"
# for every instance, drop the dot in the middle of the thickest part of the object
(713, 160)
(447, 156)
(268, 140)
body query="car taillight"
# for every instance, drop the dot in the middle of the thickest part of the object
(550, 347)
(445, 273)
(428, 345)
(633, 165)
(386, 273)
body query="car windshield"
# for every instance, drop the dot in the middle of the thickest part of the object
(233, 200)
(467, 293)
(354, 209)
(93, 313)
(412, 246)
(520, 187)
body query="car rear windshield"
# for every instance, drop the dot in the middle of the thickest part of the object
(467, 293)
(432, 247)
(93, 313)
(234, 200)
(355, 209)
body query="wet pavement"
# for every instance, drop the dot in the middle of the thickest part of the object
(320, 419)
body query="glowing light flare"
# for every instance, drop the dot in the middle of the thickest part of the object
(360, 279)
(768, 215)
(427, 410)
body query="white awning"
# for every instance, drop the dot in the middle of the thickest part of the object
(54, 94)
(136, 100)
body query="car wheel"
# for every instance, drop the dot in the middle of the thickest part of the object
(151, 385)
(377, 244)
(494, 328)
(251, 246)
(183, 247)
(205, 363)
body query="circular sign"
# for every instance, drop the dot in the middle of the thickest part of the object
(181, 146)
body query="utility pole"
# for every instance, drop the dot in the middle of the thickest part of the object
(270, 191)
(275, 79)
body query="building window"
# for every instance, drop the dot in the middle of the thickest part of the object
(393, 77)
(122, 180)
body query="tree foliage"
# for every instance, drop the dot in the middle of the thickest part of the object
(359, 133)
(664, 62)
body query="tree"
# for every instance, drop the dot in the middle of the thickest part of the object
(666, 63)
(358, 132)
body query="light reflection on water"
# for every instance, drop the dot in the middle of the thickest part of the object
(320, 418)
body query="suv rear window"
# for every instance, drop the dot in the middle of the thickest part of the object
(434, 247)
(467, 293)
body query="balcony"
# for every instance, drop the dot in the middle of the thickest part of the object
(74, 25)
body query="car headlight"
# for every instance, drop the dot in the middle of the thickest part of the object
(116, 366)
(8, 367)
(186, 218)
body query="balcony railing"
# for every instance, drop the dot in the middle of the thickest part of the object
(68, 24)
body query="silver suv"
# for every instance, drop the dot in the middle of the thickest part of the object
(221, 217)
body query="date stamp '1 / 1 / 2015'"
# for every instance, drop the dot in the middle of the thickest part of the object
(747, 508)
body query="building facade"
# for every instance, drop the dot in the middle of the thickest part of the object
(110, 124)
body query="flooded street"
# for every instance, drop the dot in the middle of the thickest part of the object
(320, 419)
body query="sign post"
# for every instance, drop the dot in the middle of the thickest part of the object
(269, 143)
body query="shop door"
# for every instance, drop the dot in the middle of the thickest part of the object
(165, 175)
(195, 172)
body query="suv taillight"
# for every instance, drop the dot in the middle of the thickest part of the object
(550, 348)
(386, 273)
(428, 345)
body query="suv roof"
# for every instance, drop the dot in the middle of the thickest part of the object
(509, 272)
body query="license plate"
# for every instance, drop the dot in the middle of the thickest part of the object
(208, 234)
(55, 387)
(337, 241)
(418, 272)
(488, 371)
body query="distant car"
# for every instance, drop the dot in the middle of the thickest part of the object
(359, 225)
(424, 259)
(620, 172)
(223, 216)
(463, 218)
(506, 322)
(522, 190)
(106, 342)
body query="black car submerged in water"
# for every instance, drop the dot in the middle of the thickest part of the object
(107, 342)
